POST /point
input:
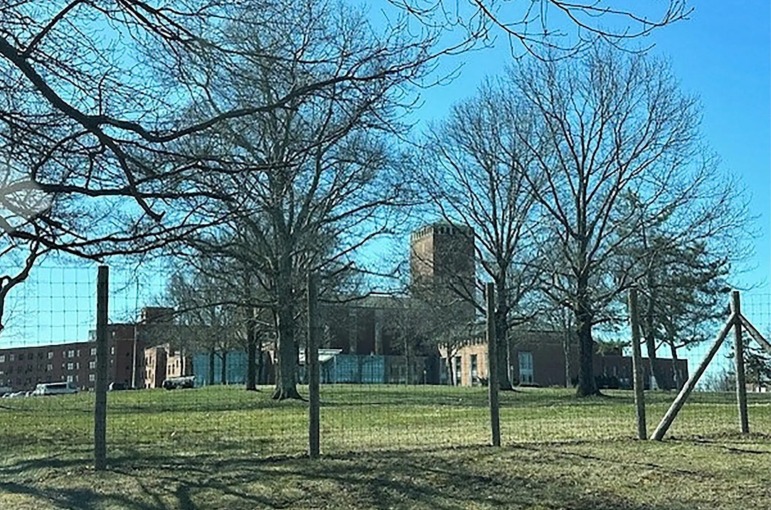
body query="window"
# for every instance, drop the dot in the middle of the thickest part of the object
(525, 367)
(77, 366)
(71, 353)
(70, 366)
(93, 351)
(70, 378)
(2, 358)
(458, 370)
(21, 356)
(473, 368)
(11, 357)
(50, 354)
(112, 350)
(49, 368)
(78, 353)
(91, 377)
(92, 365)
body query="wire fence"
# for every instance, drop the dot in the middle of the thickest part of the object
(370, 397)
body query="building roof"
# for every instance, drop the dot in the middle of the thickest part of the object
(324, 355)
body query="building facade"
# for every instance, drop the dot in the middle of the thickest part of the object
(540, 358)
(22, 368)
(443, 268)
(163, 361)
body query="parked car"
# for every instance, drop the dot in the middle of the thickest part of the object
(173, 383)
(117, 386)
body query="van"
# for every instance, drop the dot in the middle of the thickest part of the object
(59, 388)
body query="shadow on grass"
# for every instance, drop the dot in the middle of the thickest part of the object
(437, 479)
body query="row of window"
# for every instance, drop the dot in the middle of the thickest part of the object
(71, 353)
(19, 382)
(50, 367)
(525, 362)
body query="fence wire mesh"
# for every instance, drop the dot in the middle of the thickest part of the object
(386, 401)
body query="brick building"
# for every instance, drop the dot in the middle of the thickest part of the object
(540, 358)
(22, 368)
(442, 266)
(162, 362)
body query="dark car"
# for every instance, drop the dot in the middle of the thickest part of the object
(117, 386)
(173, 383)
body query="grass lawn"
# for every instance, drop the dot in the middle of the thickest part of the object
(383, 447)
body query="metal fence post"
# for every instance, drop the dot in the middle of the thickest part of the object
(312, 362)
(741, 383)
(637, 369)
(492, 366)
(102, 365)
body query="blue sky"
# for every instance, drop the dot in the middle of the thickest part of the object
(720, 54)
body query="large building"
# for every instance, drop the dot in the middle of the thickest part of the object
(22, 368)
(164, 361)
(542, 358)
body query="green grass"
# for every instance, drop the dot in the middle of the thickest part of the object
(383, 447)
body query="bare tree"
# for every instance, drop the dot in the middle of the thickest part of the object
(547, 28)
(681, 264)
(475, 176)
(101, 99)
(207, 317)
(612, 123)
(333, 183)
(429, 323)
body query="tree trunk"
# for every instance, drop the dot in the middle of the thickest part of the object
(586, 383)
(251, 355)
(260, 363)
(566, 353)
(450, 371)
(675, 374)
(650, 342)
(286, 347)
(224, 368)
(210, 375)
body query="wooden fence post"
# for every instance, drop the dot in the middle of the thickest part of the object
(741, 383)
(492, 366)
(671, 414)
(312, 364)
(102, 369)
(637, 369)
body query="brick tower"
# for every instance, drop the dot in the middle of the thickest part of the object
(442, 258)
